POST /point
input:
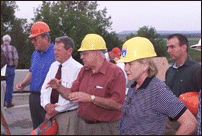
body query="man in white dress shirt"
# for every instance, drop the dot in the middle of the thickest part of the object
(64, 111)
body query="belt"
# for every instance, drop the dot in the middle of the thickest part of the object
(3, 78)
(68, 111)
(12, 66)
(92, 122)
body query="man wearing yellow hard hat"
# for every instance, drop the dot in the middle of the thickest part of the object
(149, 101)
(99, 89)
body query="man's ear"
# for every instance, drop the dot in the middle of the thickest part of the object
(70, 50)
(184, 47)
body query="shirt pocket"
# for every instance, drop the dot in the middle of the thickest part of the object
(99, 92)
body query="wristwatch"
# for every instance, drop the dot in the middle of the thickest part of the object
(92, 98)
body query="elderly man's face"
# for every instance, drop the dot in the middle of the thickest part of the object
(88, 58)
(39, 43)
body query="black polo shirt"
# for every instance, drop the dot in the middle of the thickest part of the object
(186, 78)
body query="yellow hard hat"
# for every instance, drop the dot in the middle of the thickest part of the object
(92, 42)
(136, 48)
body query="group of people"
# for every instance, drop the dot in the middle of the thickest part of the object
(91, 99)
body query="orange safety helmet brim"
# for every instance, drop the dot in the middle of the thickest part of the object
(191, 101)
(39, 28)
(48, 127)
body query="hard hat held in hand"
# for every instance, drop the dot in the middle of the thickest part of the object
(197, 46)
(191, 101)
(48, 127)
(92, 42)
(39, 28)
(136, 48)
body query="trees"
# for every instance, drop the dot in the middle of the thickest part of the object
(18, 29)
(156, 40)
(7, 15)
(72, 18)
(76, 19)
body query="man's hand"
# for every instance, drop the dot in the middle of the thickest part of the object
(50, 111)
(79, 97)
(20, 87)
(54, 83)
(48, 116)
(50, 108)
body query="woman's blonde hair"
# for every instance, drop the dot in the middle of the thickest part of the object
(152, 68)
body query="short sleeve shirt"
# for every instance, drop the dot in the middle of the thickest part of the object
(108, 82)
(40, 64)
(11, 53)
(146, 109)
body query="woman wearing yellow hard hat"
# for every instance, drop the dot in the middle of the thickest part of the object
(149, 101)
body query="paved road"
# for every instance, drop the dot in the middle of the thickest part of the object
(18, 117)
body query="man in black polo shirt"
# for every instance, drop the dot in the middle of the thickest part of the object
(184, 75)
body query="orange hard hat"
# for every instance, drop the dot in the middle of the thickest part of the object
(117, 52)
(39, 28)
(48, 127)
(191, 101)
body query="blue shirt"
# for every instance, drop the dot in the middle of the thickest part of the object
(40, 64)
(146, 109)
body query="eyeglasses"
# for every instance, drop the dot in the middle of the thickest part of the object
(84, 53)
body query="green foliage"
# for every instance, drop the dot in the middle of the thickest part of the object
(7, 15)
(76, 19)
(18, 29)
(130, 36)
(194, 54)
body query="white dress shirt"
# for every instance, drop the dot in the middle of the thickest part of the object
(70, 70)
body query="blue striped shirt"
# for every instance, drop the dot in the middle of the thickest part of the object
(40, 64)
(146, 109)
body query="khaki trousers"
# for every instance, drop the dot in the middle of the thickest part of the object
(67, 123)
(102, 128)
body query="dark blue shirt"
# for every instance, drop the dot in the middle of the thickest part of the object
(40, 64)
(146, 109)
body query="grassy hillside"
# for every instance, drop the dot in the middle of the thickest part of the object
(196, 55)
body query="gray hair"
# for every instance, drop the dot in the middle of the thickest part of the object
(152, 69)
(46, 34)
(6, 38)
(67, 41)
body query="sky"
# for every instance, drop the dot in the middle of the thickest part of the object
(132, 15)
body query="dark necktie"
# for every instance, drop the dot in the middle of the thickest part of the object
(54, 93)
